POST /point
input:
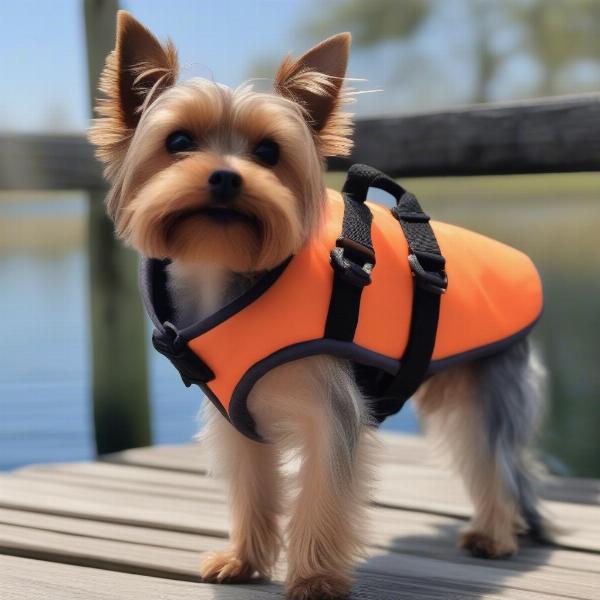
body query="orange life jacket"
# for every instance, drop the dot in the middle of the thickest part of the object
(387, 313)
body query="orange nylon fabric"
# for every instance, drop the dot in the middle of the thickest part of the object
(494, 291)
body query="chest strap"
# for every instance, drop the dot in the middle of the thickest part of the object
(354, 258)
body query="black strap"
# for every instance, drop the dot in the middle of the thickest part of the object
(352, 260)
(425, 258)
(191, 368)
(427, 265)
(165, 337)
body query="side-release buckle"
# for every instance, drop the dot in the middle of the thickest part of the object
(433, 279)
(353, 262)
(190, 366)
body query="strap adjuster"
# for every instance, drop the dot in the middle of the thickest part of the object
(352, 262)
(434, 281)
(411, 217)
(190, 366)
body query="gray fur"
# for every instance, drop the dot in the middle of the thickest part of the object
(347, 414)
(510, 389)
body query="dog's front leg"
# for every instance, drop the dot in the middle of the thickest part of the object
(326, 528)
(250, 469)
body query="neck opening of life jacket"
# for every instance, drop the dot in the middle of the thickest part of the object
(398, 295)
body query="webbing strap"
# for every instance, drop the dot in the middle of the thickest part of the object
(352, 261)
(427, 265)
(425, 257)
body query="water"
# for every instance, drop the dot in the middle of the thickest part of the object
(45, 372)
(45, 404)
(44, 347)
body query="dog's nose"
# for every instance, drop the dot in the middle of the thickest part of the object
(224, 184)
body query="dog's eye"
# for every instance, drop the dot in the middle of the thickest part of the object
(180, 141)
(267, 151)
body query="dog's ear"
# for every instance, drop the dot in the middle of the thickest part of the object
(137, 71)
(315, 81)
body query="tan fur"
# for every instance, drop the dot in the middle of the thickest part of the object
(329, 492)
(327, 499)
(300, 83)
(450, 408)
(310, 411)
(251, 469)
(154, 195)
(139, 59)
(151, 189)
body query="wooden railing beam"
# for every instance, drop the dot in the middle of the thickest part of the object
(549, 135)
(48, 161)
(536, 136)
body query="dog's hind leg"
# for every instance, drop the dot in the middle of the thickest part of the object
(486, 413)
(251, 471)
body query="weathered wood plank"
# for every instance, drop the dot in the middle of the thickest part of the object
(441, 491)
(539, 136)
(417, 450)
(105, 473)
(171, 513)
(399, 486)
(422, 534)
(183, 565)
(48, 162)
(540, 580)
(169, 458)
(403, 449)
(395, 450)
(103, 530)
(122, 517)
(25, 579)
(401, 461)
(547, 135)
(189, 511)
(205, 489)
(170, 563)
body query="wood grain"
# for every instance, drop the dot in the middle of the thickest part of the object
(145, 516)
(183, 564)
(26, 579)
(541, 136)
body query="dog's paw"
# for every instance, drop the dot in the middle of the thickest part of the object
(482, 545)
(225, 567)
(318, 587)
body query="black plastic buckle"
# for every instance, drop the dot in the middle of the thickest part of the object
(190, 366)
(434, 281)
(411, 217)
(353, 262)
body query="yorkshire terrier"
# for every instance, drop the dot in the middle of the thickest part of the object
(173, 151)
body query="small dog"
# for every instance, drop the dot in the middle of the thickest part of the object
(172, 152)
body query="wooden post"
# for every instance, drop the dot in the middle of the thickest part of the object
(120, 372)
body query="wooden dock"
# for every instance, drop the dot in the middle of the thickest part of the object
(134, 526)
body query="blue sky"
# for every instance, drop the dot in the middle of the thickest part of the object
(42, 45)
(44, 74)
(43, 49)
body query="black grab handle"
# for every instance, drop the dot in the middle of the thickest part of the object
(361, 177)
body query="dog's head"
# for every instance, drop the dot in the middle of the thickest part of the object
(200, 172)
